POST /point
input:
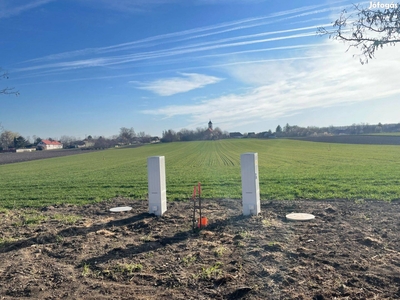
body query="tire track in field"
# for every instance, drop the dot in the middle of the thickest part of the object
(224, 152)
(219, 154)
(209, 154)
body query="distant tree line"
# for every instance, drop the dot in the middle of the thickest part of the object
(362, 128)
(127, 136)
(10, 139)
(200, 134)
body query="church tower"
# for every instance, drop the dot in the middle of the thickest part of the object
(210, 127)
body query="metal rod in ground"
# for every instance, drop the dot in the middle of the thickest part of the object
(199, 186)
(194, 209)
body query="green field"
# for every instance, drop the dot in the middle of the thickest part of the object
(288, 170)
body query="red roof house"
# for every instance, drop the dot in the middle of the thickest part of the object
(49, 145)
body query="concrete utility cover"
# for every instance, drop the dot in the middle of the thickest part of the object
(121, 208)
(300, 217)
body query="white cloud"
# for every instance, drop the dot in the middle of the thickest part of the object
(127, 6)
(191, 34)
(152, 55)
(175, 85)
(13, 8)
(284, 88)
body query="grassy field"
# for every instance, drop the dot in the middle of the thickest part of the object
(288, 170)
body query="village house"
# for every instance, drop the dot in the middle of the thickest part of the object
(86, 143)
(236, 135)
(49, 145)
(154, 139)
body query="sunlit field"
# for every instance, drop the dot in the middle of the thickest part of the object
(288, 170)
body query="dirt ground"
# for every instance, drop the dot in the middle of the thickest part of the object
(11, 157)
(349, 251)
(354, 139)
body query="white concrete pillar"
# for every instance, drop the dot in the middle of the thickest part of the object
(250, 184)
(157, 185)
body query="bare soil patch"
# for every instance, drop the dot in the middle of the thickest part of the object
(354, 139)
(349, 251)
(10, 157)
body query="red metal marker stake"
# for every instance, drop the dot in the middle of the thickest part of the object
(194, 193)
(199, 186)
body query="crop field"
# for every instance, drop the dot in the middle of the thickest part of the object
(376, 139)
(288, 170)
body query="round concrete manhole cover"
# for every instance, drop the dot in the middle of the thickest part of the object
(300, 217)
(120, 209)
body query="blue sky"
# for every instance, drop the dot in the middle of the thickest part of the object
(93, 66)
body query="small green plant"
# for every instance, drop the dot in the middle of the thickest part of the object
(266, 222)
(362, 216)
(34, 220)
(274, 246)
(219, 251)
(149, 254)
(86, 270)
(189, 259)
(18, 223)
(240, 244)
(4, 211)
(66, 219)
(30, 218)
(5, 242)
(359, 201)
(147, 238)
(239, 266)
(208, 273)
(59, 238)
(245, 234)
(128, 269)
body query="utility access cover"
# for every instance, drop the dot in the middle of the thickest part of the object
(300, 217)
(120, 209)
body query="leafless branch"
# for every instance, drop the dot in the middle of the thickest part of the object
(366, 29)
(7, 90)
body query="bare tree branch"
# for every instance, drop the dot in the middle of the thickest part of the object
(367, 29)
(7, 90)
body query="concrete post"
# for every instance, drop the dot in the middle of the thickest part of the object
(157, 185)
(250, 184)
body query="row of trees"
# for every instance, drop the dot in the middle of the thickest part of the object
(10, 139)
(126, 136)
(362, 128)
(199, 134)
